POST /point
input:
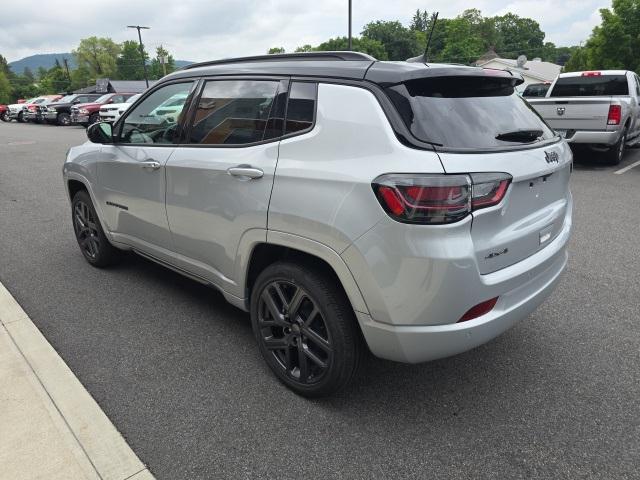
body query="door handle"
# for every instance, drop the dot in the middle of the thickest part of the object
(246, 171)
(150, 164)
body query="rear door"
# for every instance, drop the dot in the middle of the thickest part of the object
(480, 126)
(219, 180)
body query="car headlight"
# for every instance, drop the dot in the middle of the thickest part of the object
(84, 111)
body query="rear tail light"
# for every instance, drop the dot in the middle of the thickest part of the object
(615, 115)
(438, 199)
(479, 310)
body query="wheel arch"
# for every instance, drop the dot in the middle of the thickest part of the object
(282, 246)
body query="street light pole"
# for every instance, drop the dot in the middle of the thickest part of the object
(350, 46)
(144, 62)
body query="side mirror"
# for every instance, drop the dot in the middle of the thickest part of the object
(101, 132)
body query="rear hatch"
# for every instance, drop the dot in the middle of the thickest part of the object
(480, 125)
(581, 102)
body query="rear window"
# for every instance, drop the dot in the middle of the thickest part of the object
(592, 86)
(468, 113)
(536, 90)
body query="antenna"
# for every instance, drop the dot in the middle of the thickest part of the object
(434, 19)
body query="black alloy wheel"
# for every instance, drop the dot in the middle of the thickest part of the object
(293, 330)
(93, 243)
(305, 328)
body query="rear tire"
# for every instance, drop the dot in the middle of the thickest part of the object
(21, 118)
(615, 155)
(306, 329)
(93, 243)
(4, 116)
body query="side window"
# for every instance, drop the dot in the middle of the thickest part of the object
(82, 99)
(156, 119)
(117, 99)
(233, 112)
(301, 107)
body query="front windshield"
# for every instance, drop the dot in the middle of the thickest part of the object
(65, 99)
(103, 98)
(134, 98)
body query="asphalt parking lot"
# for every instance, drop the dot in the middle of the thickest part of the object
(176, 369)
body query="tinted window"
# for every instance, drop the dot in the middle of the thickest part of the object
(301, 107)
(156, 119)
(233, 112)
(467, 112)
(592, 86)
(536, 90)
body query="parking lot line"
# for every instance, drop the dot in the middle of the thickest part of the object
(627, 168)
(55, 428)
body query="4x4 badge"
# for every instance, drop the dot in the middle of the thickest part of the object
(551, 157)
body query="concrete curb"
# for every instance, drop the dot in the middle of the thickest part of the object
(76, 424)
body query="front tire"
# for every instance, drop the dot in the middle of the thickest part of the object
(21, 118)
(306, 329)
(4, 116)
(64, 119)
(93, 243)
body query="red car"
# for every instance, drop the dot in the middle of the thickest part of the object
(4, 113)
(89, 113)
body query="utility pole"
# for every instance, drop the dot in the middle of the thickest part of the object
(66, 67)
(350, 46)
(144, 62)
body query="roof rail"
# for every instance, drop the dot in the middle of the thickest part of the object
(283, 57)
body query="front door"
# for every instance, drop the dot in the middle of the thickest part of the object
(131, 174)
(219, 182)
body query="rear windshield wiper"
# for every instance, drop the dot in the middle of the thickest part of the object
(523, 136)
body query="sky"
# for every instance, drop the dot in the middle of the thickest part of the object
(199, 30)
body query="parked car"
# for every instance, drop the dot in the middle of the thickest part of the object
(89, 113)
(389, 224)
(598, 109)
(59, 112)
(111, 112)
(536, 90)
(4, 113)
(35, 112)
(17, 111)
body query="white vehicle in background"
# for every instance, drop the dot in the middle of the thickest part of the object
(111, 112)
(170, 109)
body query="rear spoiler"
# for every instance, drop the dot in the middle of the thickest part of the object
(387, 74)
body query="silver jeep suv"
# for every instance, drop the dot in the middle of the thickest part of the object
(413, 210)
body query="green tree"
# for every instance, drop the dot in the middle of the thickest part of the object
(518, 36)
(273, 50)
(162, 64)
(420, 21)
(398, 41)
(97, 56)
(55, 80)
(305, 48)
(463, 43)
(129, 64)
(6, 92)
(358, 44)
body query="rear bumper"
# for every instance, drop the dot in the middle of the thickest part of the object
(422, 325)
(594, 138)
(414, 344)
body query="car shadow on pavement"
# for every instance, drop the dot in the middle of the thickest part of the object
(440, 384)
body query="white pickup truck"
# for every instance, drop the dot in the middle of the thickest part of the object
(600, 109)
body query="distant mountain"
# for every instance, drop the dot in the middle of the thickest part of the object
(48, 60)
